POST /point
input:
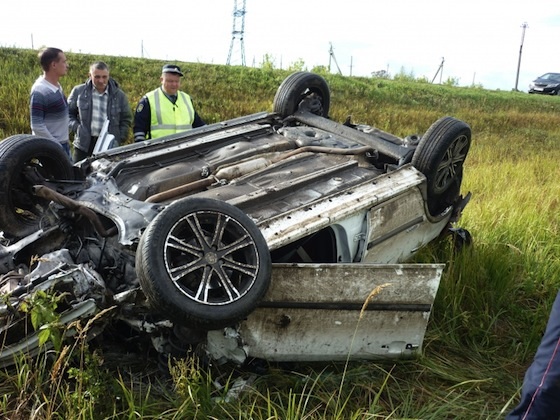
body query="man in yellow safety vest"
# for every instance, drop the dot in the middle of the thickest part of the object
(165, 110)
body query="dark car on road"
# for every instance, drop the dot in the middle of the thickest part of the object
(547, 84)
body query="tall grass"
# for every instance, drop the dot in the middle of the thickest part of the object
(489, 314)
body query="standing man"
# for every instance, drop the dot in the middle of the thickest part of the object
(47, 103)
(165, 110)
(91, 104)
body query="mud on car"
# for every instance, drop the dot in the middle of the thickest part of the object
(279, 235)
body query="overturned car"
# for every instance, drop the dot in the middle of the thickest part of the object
(279, 235)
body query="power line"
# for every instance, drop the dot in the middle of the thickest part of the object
(238, 31)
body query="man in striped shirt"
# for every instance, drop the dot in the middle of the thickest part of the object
(48, 105)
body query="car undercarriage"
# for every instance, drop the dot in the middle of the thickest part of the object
(279, 235)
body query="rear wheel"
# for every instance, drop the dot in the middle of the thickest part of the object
(25, 161)
(440, 156)
(203, 263)
(302, 91)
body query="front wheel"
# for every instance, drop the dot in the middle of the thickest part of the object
(27, 160)
(440, 156)
(203, 263)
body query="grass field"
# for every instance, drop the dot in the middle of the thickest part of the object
(489, 314)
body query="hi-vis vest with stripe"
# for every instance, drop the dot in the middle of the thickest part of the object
(168, 118)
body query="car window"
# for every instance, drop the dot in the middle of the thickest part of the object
(551, 76)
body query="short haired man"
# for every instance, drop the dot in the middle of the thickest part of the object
(165, 110)
(92, 103)
(47, 104)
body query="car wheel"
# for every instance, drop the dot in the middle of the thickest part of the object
(203, 263)
(440, 156)
(27, 160)
(302, 90)
(462, 238)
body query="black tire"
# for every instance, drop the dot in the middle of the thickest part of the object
(302, 89)
(27, 160)
(462, 239)
(203, 263)
(440, 156)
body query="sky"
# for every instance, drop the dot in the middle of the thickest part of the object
(480, 42)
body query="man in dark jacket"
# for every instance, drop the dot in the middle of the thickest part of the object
(540, 394)
(91, 104)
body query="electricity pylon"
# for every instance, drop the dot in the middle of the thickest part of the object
(238, 31)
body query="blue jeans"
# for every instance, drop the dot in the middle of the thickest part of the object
(66, 147)
(540, 394)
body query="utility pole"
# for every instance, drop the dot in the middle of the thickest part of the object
(439, 70)
(524, 27)
(331, 55)
(238, 31)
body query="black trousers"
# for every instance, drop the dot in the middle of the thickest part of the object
(78, 154)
